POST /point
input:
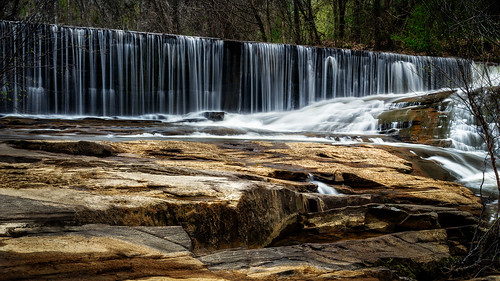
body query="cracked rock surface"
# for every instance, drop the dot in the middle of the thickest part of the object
(174, 210)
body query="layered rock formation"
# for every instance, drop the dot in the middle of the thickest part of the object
(423, 119)
(168, 210)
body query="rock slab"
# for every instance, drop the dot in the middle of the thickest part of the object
(169, 210)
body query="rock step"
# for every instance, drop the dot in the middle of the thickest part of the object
(422, 249)
(101, 252)
(354, 222)
(19, 214)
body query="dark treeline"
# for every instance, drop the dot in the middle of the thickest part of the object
(466, 28)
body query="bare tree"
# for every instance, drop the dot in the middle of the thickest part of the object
(15, 58)
(470, 27)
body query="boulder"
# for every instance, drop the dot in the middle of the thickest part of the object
(427, 122)
(214, 115)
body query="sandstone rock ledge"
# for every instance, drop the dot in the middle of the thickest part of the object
(172, 210)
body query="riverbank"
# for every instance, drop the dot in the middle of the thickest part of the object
(227, 210)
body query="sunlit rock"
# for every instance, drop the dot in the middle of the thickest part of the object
(212, 211)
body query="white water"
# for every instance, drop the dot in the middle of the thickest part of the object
(468, 167)
(355, 120)
(344, 121)
(86, 71)
(468, 174)
(335, 116)
(337, 121)
(324, 188)
(463, 130)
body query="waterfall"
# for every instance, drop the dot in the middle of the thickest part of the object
(464, 130)
(51, 69)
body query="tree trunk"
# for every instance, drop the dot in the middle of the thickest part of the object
(260, 23)
(309, 20)
(356, 29)
(176, 21)
(341, 4)
(377, 30)
(296, 21)
(312, 24)
(164, 18)
(268, 19)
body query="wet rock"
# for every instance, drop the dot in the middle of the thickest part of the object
(76, 148)
(193, 119)
(21, 159)
(100, 252)
(167, 239)
(420, 119)
(429, 100)
(214, 115)
(334, 202)
(259, 216)
(18, 214)
(354, 222)
(217, 212)
(222, 131)
(12, 121)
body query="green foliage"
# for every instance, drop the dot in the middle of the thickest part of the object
(63, 4)
(276, 31)
(421, 33)
(95, 17)
(132, 15)
(325, 22)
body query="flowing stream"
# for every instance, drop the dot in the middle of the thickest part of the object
(267, 91)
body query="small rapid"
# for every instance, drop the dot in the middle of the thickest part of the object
(355, 121)
(346, 116)
(340, 121)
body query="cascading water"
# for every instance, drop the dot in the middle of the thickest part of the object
(293, 91)
(85, 71)
(467, 160)
(285, 77)
(463, 126)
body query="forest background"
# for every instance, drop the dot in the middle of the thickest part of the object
(463, 28)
